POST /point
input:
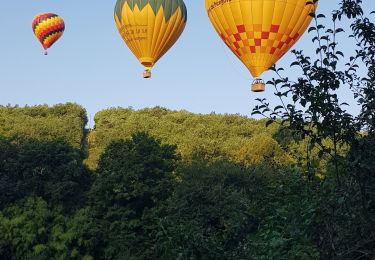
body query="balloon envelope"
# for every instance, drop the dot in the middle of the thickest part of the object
(260, 32)
(150, 27)
(48, 28)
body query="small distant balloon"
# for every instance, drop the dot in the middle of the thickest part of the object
(48, 28)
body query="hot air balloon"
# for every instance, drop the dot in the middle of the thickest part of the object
(150, 27)
(48, 28)
(260, 32)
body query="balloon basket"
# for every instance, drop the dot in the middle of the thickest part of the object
(258, 86)
(147, 74)
(46, 53)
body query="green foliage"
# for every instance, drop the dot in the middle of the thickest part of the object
(211, 213)
(51, 170)
(65, 122)
(213, 136)
(134, 179)
(263, 149)
(23, 230)
(289, 220)
(345, 196)
(76, 236)
(43, 183)
(30, 230)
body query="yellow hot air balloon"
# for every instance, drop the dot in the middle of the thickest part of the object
(260, 32)
(150, 27)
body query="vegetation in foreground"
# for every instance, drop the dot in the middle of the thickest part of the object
(306, 193)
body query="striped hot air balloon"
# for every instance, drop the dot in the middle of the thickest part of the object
(150, 27)
(260, 32)
(48, 28)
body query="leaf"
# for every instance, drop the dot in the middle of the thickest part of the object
(340, 53)
(255, 113)
(295, 63)
(338, 30)
(278, 107)
(312, 28)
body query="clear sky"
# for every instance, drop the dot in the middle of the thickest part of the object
(91, 65)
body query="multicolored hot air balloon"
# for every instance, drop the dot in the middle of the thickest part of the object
(260, 32)
(150, 27)
(48, 28)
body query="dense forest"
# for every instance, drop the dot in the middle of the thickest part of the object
(66, 122)
(166, 185)
(212, 136)
(162, 184)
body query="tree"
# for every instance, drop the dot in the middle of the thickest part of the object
(214, 136)
(133, 180)
(24, 230)
(61, 121)
(52, 170)
(316, 114)
(211, 213)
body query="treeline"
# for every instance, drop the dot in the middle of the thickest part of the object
(211, 136)
(63, 121)
(175, 185)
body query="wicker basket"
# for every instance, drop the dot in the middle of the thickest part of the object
(147, 74)
(258, 86)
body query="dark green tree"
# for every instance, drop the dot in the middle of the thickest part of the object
(52, 170)
(133, 180)
(211, 214)
(24, 229)
(29, 229)
(311, 108)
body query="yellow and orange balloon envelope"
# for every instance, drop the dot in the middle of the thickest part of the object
(260, 32)
(48, 28)
(150, 27)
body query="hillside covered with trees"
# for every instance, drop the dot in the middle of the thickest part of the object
(162, 184)
(52, 205)
(212, 136)
(167, 185)
(66, 122)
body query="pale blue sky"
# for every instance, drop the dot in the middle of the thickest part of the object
(91, 65)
